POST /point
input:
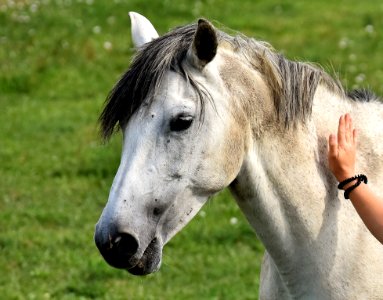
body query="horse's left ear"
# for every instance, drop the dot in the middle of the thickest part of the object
(205, 43)
(142, 30)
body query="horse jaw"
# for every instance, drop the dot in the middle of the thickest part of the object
(142, 30)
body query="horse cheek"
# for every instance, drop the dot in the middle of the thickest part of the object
(233, 153)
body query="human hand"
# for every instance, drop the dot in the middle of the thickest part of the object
(342, 149)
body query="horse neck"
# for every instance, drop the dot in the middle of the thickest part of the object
(283, 179)
(284, 188)
(281, 186)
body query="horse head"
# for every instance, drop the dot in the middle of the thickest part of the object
(179, 146)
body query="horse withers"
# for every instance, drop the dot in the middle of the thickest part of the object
(200, 111)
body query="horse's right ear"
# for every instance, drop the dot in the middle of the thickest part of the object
(142, 30)
(205, 43)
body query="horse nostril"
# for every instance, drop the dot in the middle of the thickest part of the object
(156, 211)
(125, 244)
(118, 249)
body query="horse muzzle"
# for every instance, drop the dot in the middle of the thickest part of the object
(122, 250)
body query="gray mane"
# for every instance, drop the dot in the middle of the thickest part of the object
(293, 84)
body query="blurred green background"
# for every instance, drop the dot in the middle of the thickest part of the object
(58, 60)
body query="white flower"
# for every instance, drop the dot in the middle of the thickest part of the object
(11, 3)
(202, 214)
(33, 8)
(369, 28)
(108, 46)
(233, 220)
(344, 43)
(360, 78)
(96, 29)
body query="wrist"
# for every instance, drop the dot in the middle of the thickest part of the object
(354, 191)
(351, 183)
(344, 175)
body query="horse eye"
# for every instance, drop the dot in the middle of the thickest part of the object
(180, 123)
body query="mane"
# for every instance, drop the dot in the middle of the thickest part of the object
(292, 84)
(362, 95)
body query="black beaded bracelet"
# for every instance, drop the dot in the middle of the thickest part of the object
(361, 178)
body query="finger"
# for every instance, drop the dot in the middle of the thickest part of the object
(332, 145)
(349, 128)
(341, 131)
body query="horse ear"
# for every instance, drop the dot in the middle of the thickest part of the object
(142, 30)
(205, 44)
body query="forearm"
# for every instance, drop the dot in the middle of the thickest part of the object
(369, 208)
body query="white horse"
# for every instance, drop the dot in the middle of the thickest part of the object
(200, 111)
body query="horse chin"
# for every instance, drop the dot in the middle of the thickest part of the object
(150, 261)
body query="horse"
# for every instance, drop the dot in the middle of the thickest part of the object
(201, 110)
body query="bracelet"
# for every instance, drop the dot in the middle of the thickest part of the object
(361, 178)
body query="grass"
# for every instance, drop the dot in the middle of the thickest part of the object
(58, 60)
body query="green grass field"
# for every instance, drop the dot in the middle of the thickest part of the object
(58, 60)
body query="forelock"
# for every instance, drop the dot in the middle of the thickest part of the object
(144, 76)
